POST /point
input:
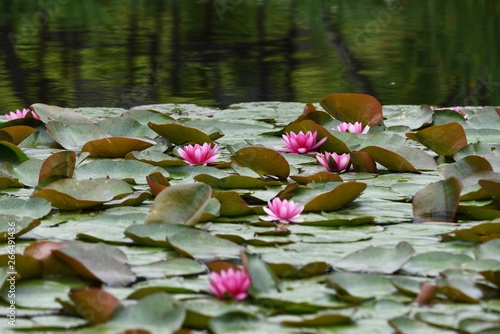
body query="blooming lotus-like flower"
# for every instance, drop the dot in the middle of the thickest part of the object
(334, 162)
(231, 283)
(301, 143)
(199, 155)
(353, 128)
(284, 211)
(455, 109)
(21, 114)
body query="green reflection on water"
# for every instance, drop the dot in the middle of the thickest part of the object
(218, 52)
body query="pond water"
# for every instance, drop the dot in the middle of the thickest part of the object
(218, 52)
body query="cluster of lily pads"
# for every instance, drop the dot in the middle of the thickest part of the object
(268, 217)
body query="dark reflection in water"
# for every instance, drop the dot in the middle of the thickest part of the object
(218, 52)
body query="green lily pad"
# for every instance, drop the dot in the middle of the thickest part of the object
(132, 171)
(437, 201)
(235, 182)
(35, 208)
(203, 246)
(127, 127)
(263, 161)
(320, 319)
(353, 108)
(401, 159)
(72, 136)
(156, 313)
(155, 158)
(377, 259)
(180, 204)
(492, 187)
(415, 118)
(71, 194)
(358, 287)
(95, 264)
(49, 113)
(432, 263)
(171, 267)
(262, 277)
(11, 153)
(154, 234)
(14, 226)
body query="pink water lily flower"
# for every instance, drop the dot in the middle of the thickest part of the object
(301, 143)
(353, 128)
(283, 211)
(455, 109)
(21, 114)
(199, 155)
(230, 284)
(334, 162)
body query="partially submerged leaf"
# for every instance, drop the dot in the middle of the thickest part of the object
(438, 201)
(401, 159)
(95, 305)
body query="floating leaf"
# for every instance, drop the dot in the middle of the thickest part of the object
(42, 251)
(262, 277)
(323, 176)
(157, 313)
(235, 182)
(332, 143)
(363, 162)
(95, 305)
(414, 118)
(328, 196)
(13, 226)
(180, 134)
(126, 127)
(72, 136)
(492, 187)
(131, 171)
(446, 139)
(478, 233)
(180, 204)
(263, 161)
(95, 264)
(60, 165)
(231, 204)
(172, 267)
(157, 182)
(358, 287)
(154, 234)
(203, 246)
(6, 181)
(71, 194)
(401, 159)
(432, 263)
(34, 207)
(16, 134)
(377, 259)
(467, 166)
(320, 319)
(472, 190)
(11, 153)
(407, 325)
(438, 201)
(49, 113)
(116, 147)
(353, 108)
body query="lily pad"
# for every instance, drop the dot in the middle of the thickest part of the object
(401, 159)
(263, 161)
(116, 147)
(16, 134)
(479, 233)
(180, 134)
(71, 194)
(154, 234)
(358, 287)
(72, 136)
(11, 153)
(60, 165)
(180, 204)
(132, 171)
(95, 305)
(377, 259)
(446, 139)
(328, 196)
(437, 201)
(353, 108)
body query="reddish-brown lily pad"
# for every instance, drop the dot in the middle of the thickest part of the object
(446, 139)
(60, 165)
(16, 134)
(438, 201)
(181, 134)
(353, 108)
(263, 161)
(116, 147)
